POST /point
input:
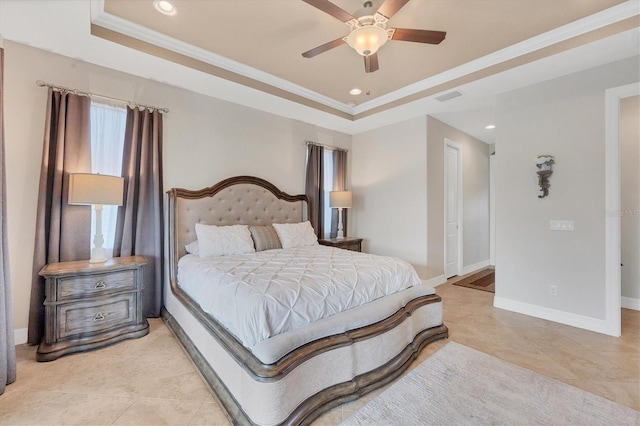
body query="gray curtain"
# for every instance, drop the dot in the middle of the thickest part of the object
(7, 346)
(314, 187)
(139, 230)
(339, 184)
(62, 231)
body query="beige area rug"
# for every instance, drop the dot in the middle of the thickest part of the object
(484, 280)
(461, 386)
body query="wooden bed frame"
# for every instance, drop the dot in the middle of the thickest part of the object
(179, 304)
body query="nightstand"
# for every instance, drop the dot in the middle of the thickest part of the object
(347, 243)
(91, 305)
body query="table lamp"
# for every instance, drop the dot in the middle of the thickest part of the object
(96, 190)
(340, 200)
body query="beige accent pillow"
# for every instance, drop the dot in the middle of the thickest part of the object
(265, 237)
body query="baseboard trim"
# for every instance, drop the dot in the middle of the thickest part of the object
(476, 266)
(574, 320)
(630, 303)
(435, 281)
(20, 336)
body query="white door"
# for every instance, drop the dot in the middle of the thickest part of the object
(492, 210)
(452, 211)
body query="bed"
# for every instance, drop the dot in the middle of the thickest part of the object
(302, 363)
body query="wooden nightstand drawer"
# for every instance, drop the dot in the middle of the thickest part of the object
(347, 243)
(81, 318)
(95, 284)
(352, 245)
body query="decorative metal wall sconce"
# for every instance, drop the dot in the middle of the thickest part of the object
(544, 162)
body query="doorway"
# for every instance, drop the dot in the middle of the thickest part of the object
(492, 208)
(629, 140)
(613, 96)
(452, 208)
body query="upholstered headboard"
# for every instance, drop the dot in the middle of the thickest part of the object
(238, 200)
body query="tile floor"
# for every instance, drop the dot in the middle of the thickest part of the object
(150, 381)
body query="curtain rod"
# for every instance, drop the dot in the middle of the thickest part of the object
(326, 146)
(95, 95)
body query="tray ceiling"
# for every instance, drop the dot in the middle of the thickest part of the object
(259, 43)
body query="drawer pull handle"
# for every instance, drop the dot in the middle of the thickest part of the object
(98, 317)
(100, 284)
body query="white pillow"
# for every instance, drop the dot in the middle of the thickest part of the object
(192, 247)
(296, 234)
(223, 240)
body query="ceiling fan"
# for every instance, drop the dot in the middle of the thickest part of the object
(369, 30)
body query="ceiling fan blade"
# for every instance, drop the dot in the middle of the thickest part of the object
(371, 63)
(330, 8)
(323, 48)
(419, 36)
(390, 7)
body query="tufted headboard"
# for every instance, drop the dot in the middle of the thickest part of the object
(238, 200)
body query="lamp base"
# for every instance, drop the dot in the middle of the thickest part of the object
(98, 255)
(340, 234)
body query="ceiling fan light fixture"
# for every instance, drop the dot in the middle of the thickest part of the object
(165, 7)
(366, 40)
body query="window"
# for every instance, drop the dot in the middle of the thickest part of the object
(328, 164)
(328, 187)
(107, 144)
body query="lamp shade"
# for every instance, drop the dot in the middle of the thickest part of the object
(340, 199)
(88, 189)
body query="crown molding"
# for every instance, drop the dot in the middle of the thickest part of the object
(590, 23)
(115, 23)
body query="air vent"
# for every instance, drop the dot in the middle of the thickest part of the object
(449, 95)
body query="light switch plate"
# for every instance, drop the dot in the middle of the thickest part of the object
(561, 225)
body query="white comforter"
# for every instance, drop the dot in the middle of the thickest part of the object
(259, 295)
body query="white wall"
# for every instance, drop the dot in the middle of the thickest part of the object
(388, 180)
(475, 196)
(205, 140)
(398, 184)
(564, 117)
(630, 199)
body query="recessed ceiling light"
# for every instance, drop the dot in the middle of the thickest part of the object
(355, 91)
(163, 6)
(490, 126)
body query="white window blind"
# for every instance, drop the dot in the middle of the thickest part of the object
(328, 187)
(107, 143)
